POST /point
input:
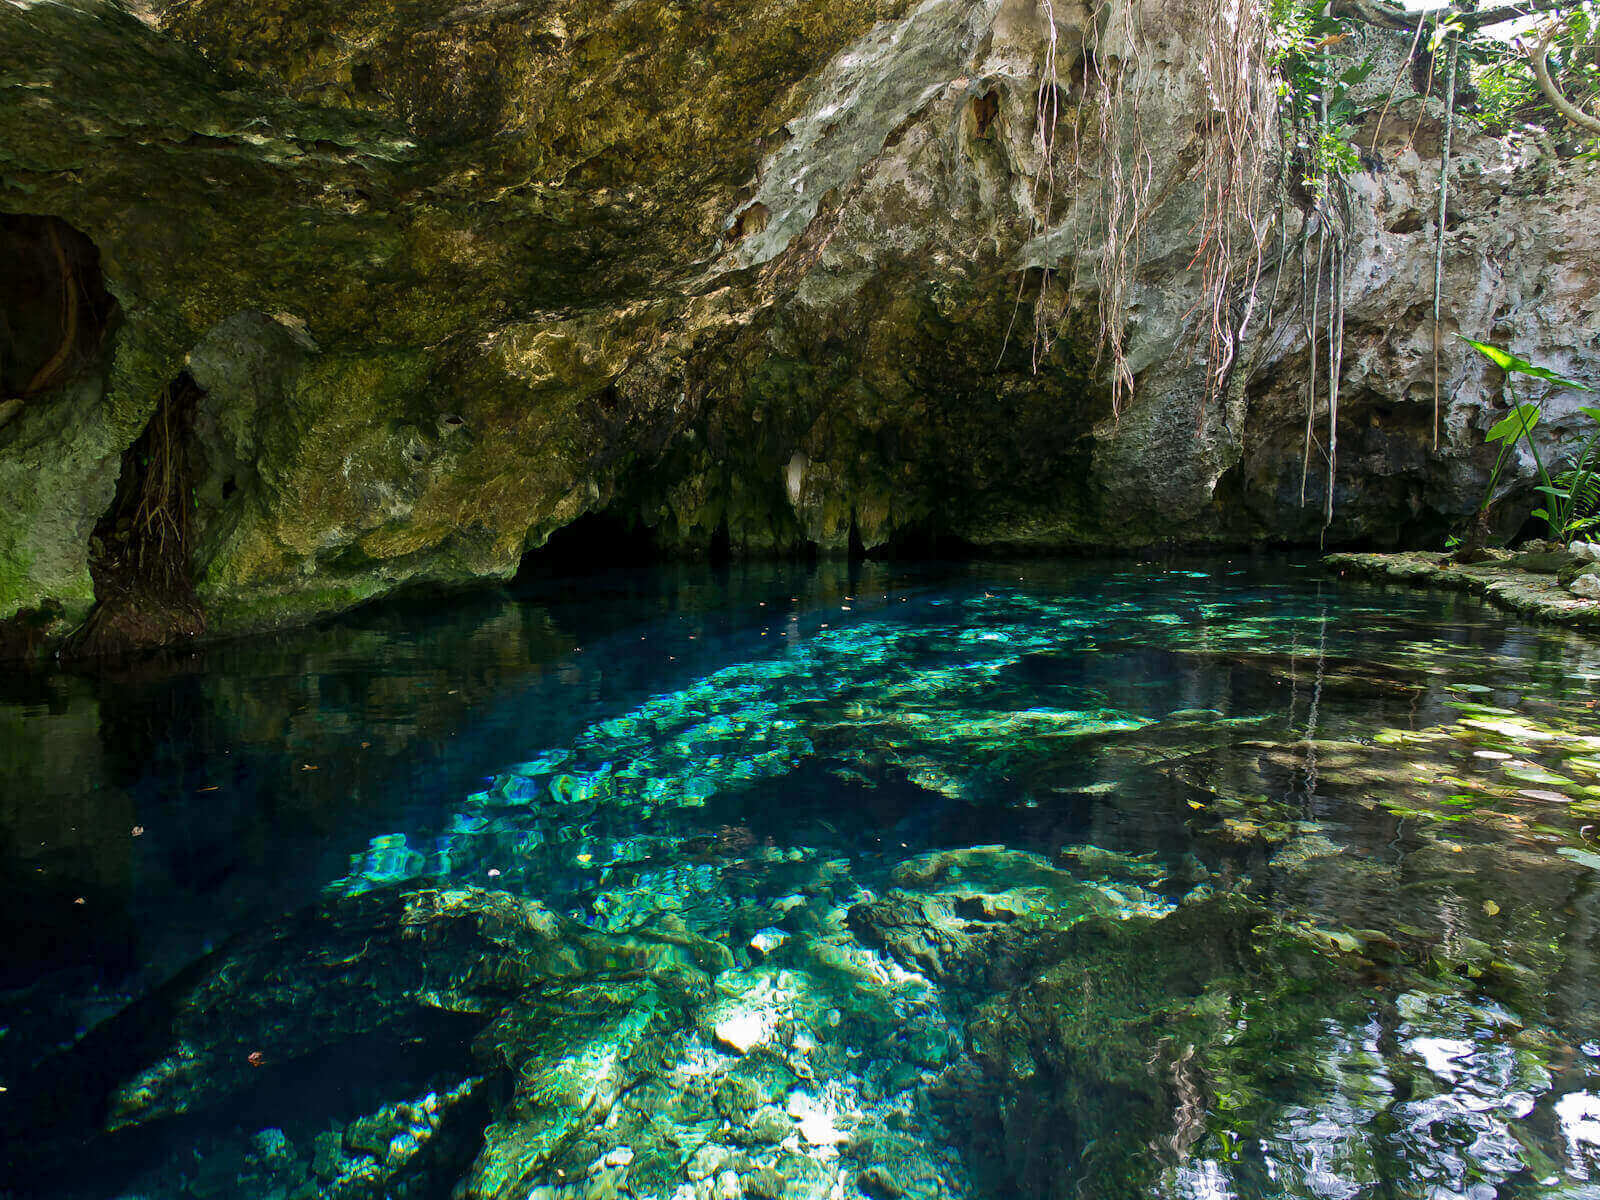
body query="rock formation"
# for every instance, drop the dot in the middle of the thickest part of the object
(437, 283)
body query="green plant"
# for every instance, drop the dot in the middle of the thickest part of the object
(1505, 90)
(1570, 498)
(1574, 493)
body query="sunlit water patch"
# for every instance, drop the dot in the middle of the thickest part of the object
(1034, 881)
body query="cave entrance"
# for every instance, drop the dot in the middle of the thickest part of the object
(54, 307)
(594, 541)
(140, 556)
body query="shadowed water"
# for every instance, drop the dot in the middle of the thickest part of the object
(1047, 879)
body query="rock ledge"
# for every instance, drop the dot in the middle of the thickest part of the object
(1499, 580)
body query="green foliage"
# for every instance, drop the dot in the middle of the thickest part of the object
(1572, 496)
(1506, 94)
(1335, 155)
(1515, 365)
(1505, 89)
(1315, 95)
(1520, 421)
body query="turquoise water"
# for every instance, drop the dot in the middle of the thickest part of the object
(1199, 879)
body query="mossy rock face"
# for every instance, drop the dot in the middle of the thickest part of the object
(777, 271)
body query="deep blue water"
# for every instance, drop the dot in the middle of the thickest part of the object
(1409, 784)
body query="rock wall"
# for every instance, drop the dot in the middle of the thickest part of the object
(761, 273)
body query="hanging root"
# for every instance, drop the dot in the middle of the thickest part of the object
(69, 320)
(160, 534)
(1411, 54)
(1335, 364)
(1046, 116)
(141, 550)
(1237, 219)
(1315, 290)
(1438, 250)
(1112, 240)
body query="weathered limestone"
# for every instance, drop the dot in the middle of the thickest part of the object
(452, 280)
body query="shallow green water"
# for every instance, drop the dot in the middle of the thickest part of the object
(1052, 879)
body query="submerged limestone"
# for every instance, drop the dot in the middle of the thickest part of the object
(1135, 1053)
(1183, 889)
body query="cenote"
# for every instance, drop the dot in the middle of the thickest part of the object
(1210, 878)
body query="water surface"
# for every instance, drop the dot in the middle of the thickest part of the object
(1213, 878)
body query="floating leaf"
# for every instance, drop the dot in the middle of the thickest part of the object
(1541, 794)
(1534, 774)
(1586, 857)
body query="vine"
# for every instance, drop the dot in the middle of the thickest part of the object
(1281, 124)
(1239, 62)
(1438, 249)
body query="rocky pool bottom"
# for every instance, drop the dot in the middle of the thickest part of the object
(1222, 879)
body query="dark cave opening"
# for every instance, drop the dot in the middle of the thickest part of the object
(54, 307)
(595, 540)
(613, 538)
(140, 555)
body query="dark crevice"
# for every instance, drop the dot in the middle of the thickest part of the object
(985, 109)
(857, 549)
(141, 551)
(721, 548)
(54, 307)
(751, 220)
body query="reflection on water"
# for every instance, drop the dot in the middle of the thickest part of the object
(998, 880)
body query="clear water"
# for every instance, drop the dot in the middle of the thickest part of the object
(1200, 880)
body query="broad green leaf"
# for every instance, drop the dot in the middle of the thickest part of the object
(1358, 73)
(1522, 418)
(1508, 361)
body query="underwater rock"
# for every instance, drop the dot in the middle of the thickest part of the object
(406, 1149)
(893, 1166)
(741, 1032)
(1104, 1066)
(401, 966)
(977, 917)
